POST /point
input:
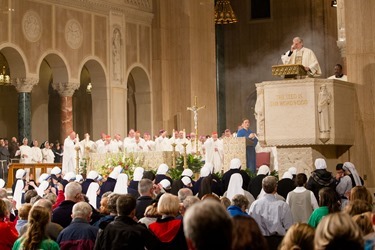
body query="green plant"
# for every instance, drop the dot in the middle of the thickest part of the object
(194, 162)
(128, 162)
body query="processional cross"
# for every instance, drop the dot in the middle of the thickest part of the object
(195, 110)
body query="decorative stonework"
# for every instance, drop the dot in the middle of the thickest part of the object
(73, 34)
(25, 85)
(32, 26)
(65, 88)
(116, 54)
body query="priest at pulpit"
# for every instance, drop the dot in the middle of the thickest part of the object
(251, 142)
(301, 55)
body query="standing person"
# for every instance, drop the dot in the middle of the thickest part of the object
(70, 154)
(47, 153)
(320, 178)
(13, 147)
(339, 75)
(37, 156)
(273, 216)
(58, 151)
(124, 232)
(214, 152)
(35, 237)
(301, 55)
(8, 233)
(4, 160)
(25, 152)
(251, 142)
(79, 234)
(301, 201)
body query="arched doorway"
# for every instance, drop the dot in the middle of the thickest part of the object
(13, 60)
(139, 101)
(91, 105)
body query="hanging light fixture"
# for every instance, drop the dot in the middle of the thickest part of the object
(224, 13)
(89, 88)
(4, 78)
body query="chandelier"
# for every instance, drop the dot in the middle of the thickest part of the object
(4, 78)
(224, 13)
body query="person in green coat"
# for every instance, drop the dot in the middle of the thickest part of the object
(328, 203)
(35, 237)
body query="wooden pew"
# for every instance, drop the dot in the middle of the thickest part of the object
(44, 168)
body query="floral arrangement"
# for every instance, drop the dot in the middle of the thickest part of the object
(194, 162)
(128, 162)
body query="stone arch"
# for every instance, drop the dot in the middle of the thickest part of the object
(139, 99)
(52, 69)
(15, 61)
(99, 95)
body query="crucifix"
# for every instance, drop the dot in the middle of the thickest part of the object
(195, 110)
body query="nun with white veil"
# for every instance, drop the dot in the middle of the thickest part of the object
(121, 186)
(92, 194)
(137, 176)
(161, 173)
(356, 179)
(235, 187)
(44, 188)
(19, 187)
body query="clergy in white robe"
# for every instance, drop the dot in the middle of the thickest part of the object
(149, 144)
(47, 153)
(118, 142)
(37, 156)
(301, 55)
(25, 152)
(162, 143)
(129, 142)
(70, 153)
(191, 148)
(214, 152)
(139, 142)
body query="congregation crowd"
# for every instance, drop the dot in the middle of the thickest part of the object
(62, 210)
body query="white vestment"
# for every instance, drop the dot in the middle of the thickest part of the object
(129, 144)
(149, 146)
(191, 147)
(308, 60)
(48, 155)
(214, 153)
(69, 156)
(343, 78)
(36, 155)
(26, 154)
(162, 144)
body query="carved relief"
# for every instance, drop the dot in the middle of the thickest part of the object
(73, 34)
(116, 54)
(25, 85)
(324, 100)
(259, 111)
(32, 26)
(65, 88)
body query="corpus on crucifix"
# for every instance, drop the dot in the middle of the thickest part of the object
(195, 110)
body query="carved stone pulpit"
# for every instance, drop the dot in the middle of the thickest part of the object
(305, 119)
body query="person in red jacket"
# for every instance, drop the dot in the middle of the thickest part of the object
(8, 233)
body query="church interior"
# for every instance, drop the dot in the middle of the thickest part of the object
(108, 66)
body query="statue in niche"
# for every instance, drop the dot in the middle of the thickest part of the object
(116, 54)
(324, 99)
(259, 112)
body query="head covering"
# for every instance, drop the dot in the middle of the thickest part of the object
(235, 163)
(56, 170)
(264, 169)
(235, 186)
(121, 186)
(287, 175)
(17, 195)
(351, 168)
(99, 178)
(70, 176)
(162, 169)
(138, 173)
(42, 187)
(186, 180)
(187, 172)
(204, 172)
(320, 163)
(2, 183)
(43, 177)
(20, 173)
(292, 170)
(92, 175)
(79, 178)
(92, 193)
(166, 184)
(115, 172)
(210, 166)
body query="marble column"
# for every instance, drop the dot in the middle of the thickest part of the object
(66, 91)
(24, 87)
